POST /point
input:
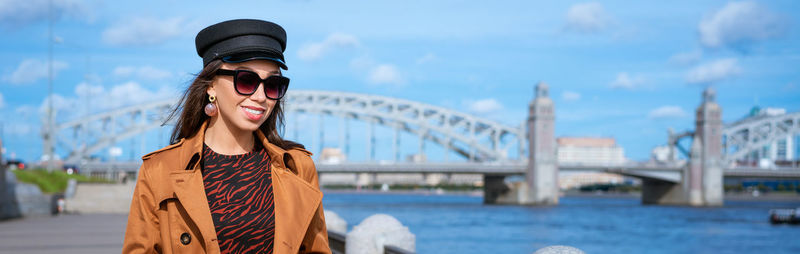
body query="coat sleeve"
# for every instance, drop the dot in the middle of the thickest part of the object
(316, 238)
(142, 233)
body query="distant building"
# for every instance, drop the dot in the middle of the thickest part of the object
(332, 156)
(573, 180)
(588, 151)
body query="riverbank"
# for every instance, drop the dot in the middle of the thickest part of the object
(729, 196)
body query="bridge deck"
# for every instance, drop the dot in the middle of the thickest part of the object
(670, 174)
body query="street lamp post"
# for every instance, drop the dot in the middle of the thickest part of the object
(48, 133)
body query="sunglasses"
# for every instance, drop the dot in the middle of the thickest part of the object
(246, 83)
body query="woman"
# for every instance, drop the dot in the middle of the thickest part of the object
(229, 183)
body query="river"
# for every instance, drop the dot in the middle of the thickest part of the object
(460, 223)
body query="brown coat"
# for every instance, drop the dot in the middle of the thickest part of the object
(169, 202)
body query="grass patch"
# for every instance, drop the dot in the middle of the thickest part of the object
(52, 182)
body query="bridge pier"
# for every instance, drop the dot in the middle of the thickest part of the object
(497, 191)
(541, 177)
(657, 192)
(701, 181)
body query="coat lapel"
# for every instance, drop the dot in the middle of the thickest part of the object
(187, 183)
(296, 200)
(189, 189)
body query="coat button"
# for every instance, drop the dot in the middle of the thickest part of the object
(186, 238)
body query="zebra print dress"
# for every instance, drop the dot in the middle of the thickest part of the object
(239, 192)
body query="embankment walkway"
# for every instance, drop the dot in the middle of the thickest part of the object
(67, 233)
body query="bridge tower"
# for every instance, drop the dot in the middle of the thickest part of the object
(542, 172)
(701, 181)
(541, 177)
(708, 130)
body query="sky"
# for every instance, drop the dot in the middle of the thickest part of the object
(620, 69)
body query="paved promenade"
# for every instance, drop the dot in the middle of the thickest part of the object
(91, 233)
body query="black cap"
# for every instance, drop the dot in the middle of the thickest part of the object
(242, 40)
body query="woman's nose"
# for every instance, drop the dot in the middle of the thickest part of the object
(259, 95)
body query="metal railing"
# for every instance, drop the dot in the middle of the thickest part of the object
(336, 241)
(112, 175)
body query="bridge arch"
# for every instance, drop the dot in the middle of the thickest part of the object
(471, 137)
(748, 136)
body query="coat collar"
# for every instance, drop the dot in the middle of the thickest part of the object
(296, 200)
(192, 153)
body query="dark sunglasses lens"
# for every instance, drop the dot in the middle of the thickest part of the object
(275, 86)
(247, 82)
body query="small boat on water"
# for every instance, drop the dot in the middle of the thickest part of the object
(788, 216)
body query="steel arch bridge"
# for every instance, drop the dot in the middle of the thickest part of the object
(472, 137)
(748, 136)
(92, 133)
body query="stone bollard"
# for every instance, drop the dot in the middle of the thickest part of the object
(559, 249)
(31, 200)
(71, 185)
(335, 223)
(9, 208)
(378, 230)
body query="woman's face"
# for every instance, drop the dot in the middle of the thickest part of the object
(243, 112)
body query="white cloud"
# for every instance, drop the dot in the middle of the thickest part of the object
(2, 101)
(97, 98)
(686, 58)
(123, 71)
(152, 73)
(85, 89)
(484, 106)
(738, 24)
(362, 63)
(626, 81)
(587, 17)
(131, 93)
(32, 70)
(714, 71)
(385, 74)
(427, 58)
(17, 13)
(143, 31)
(25, 110)
(668, 111)
(143, 72)
(570, 96)
(377, 73)
(60, 104)
(315, 51)
(20, 129)
(18, 123)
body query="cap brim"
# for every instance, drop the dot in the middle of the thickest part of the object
(249, 57)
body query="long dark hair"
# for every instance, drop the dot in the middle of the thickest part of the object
(192, 115)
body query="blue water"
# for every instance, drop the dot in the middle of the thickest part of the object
(463, 224)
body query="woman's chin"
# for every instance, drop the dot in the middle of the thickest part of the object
(250, 126)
